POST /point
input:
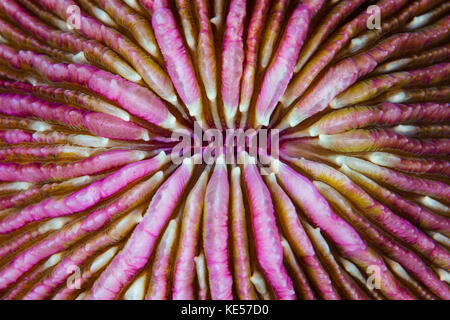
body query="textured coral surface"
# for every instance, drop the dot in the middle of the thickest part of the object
(351, 202)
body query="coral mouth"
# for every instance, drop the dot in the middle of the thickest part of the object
(224, 149)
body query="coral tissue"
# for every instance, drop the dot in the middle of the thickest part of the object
(321, 170)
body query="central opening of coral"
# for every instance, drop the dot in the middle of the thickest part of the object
(212, 145)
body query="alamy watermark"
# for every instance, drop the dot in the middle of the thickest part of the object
(374, 20)
(374, 279)
(74, 279)
(73, 17)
